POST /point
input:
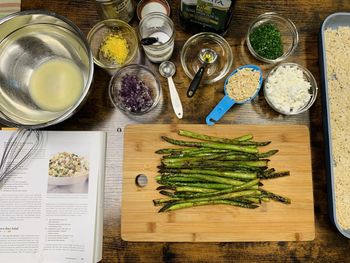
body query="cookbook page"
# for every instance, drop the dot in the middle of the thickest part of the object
(48, 206)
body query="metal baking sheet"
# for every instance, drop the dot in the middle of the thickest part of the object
(332, 21)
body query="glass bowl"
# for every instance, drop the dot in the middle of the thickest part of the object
(191, 62)
(101, 31)
(289, 35)
(117, 88)
(286, 109)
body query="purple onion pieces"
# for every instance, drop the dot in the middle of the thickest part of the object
(135, 95)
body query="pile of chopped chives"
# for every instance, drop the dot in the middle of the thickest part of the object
(266, 41)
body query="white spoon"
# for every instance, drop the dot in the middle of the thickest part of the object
(167, 70)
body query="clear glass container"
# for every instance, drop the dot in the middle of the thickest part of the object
(289, 35)
(162, 27)
(104, 28)
(145, 75)
(312, 91)
(191, 61)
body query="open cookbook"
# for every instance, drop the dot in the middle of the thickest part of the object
(51, 207)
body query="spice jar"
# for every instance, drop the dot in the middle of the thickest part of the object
(119, 9)
(144, 7)
(160, 27)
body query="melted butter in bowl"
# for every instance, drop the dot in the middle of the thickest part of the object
(56, 84)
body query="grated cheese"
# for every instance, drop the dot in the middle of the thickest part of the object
(287, 89)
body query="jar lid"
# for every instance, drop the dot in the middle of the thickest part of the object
(145, 7)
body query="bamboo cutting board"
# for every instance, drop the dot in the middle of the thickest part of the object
(272, 221)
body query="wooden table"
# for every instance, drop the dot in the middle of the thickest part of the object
(98, 114)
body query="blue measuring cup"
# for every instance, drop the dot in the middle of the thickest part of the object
(227, 102)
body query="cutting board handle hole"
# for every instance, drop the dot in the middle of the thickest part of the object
(141, 180)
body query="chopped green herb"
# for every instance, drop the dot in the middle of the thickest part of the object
(266, 41)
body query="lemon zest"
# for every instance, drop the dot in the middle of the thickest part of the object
(115, 49)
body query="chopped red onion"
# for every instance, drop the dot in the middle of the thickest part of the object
(135, 95)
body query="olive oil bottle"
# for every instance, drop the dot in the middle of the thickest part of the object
(206, 15)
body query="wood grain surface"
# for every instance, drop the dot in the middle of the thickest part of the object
(99, 114)
(272, 221)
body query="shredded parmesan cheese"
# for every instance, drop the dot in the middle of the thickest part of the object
(287, 89)
(337, 43)
(115, 49)
(243, 84)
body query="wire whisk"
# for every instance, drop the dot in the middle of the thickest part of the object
(21, 145)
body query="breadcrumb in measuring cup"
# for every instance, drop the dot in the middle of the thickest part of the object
(243, 84)
(115, 49)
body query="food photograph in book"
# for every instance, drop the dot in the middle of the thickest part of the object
(68, 172)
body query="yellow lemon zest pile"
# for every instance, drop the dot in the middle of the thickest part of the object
(115, 49)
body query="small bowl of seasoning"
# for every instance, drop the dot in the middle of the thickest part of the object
(113, 43)
(135, 89)
(290, 89)
(272, 38)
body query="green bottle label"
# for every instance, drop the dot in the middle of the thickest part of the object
(210, 13)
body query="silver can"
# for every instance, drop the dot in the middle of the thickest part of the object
(119, 9)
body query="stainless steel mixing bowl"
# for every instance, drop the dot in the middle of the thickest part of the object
(28, 39)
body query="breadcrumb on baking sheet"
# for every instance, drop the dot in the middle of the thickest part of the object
(337, 46)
